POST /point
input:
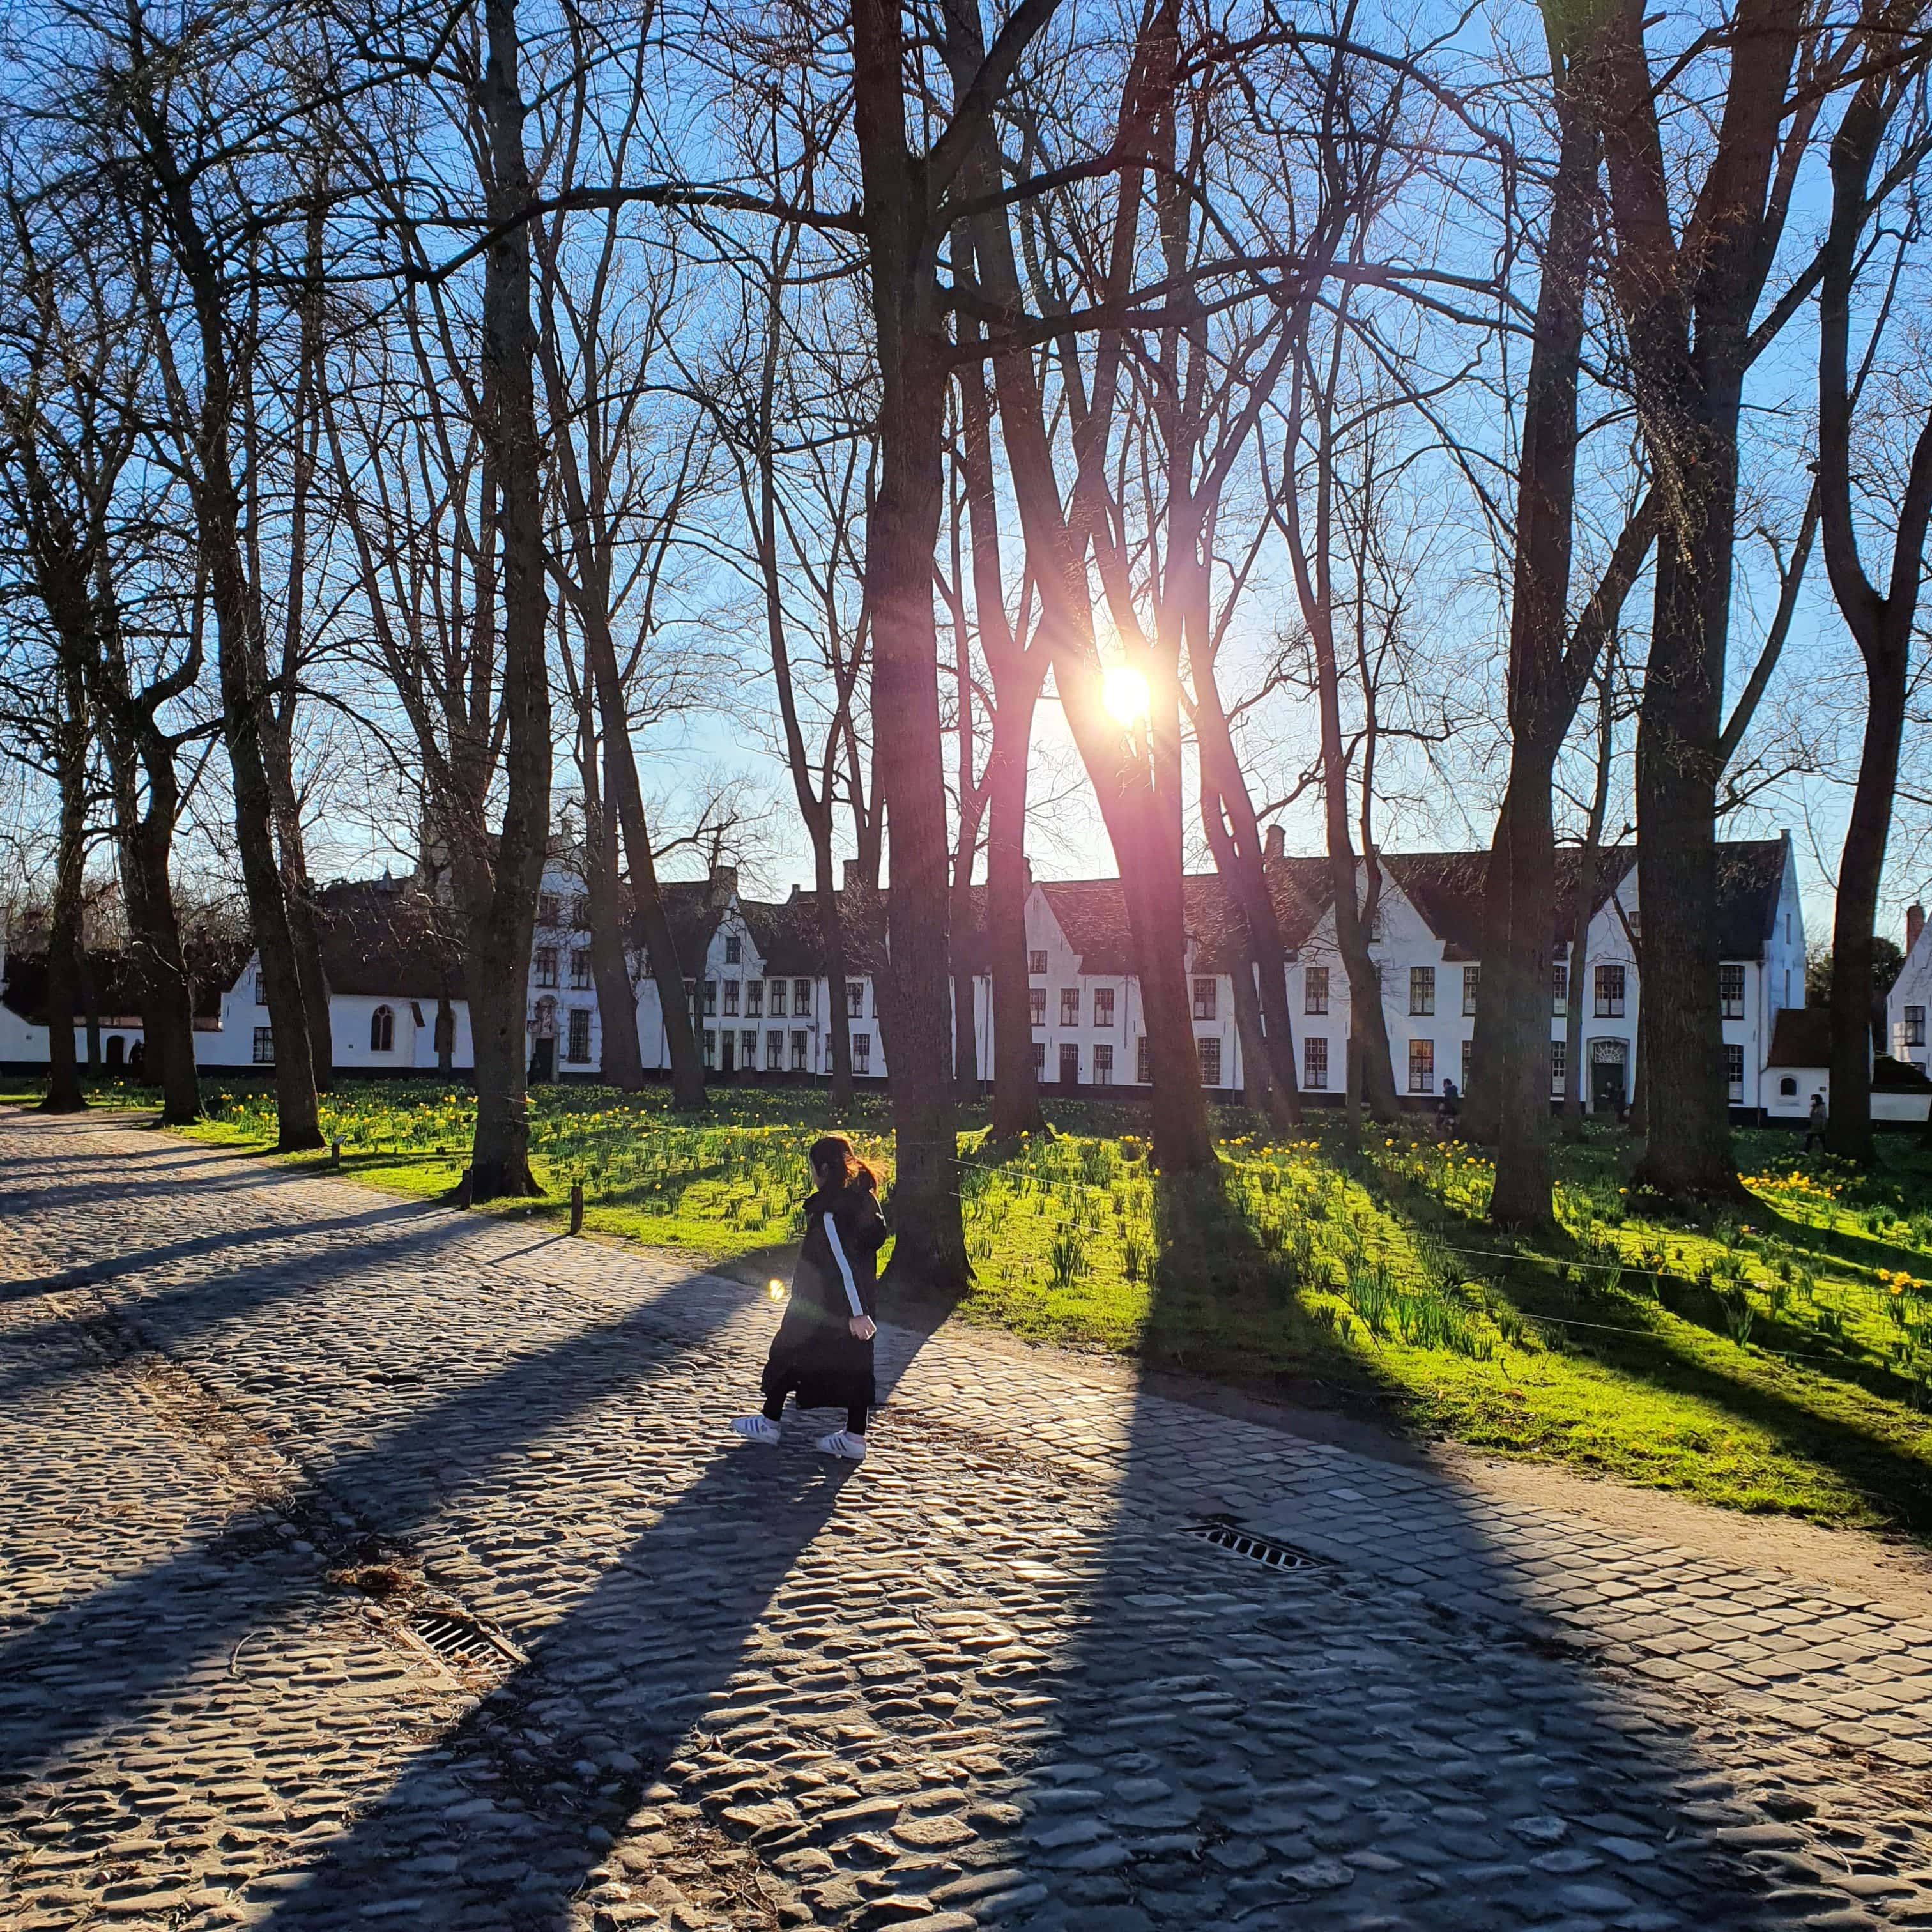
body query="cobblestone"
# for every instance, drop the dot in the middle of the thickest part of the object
(255, 1424)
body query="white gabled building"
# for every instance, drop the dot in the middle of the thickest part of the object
(753, 973)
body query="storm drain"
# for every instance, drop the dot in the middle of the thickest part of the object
(1256, 1548)
(457, 1641)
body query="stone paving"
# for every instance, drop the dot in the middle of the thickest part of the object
(255, 1429)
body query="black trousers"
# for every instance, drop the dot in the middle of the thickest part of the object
(855, 1418)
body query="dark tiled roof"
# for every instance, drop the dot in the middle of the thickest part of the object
(388, 936)
(1093, 914)
(211, 969)
(1801, 1036)
(1446, 888)
(787, 934)
(1751, 874)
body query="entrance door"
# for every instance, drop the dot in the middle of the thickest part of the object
(1607, 1092)
(116, 1048)
(1070, 1067)
(543, 1060)
(728, 1065)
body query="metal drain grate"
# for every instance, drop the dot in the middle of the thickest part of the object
(1256, 1548)
(456, 1640)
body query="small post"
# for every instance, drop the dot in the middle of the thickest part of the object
(335, 1155)
(463, 1189)
(576, 1206)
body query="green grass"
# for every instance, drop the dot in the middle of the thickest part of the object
(1781, 1362)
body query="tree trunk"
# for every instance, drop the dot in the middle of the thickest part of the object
(1016, 1109)
(64, 939)
(902, 532)
(622, 1059)
(238, 620)
(1520, 1042)
(500, 941)
(1687, 312)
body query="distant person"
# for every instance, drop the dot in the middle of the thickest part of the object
(137, 1059)
(822, 1354)
(1452, 1101)
(1814, 1126)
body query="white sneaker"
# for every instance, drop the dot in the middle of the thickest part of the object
(843, 1442)
(756, 1428)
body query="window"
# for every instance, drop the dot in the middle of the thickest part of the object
(1070, 1006)
(1314, 1062)
(1609, 992)
(1039, 1060)
(1103, 1064)
(1559, 990)
(855, 999)
(799, 1038)
(546, 965)
(580, 912)
(690, 996)
(1559, 1052)
(1314, 989)
(1143, 1062)
(1037, 1005)
(747, 1049)
(731, 996)
(261, 988)
(1731, 992)
(1204, 999)
(1465, 1066)
(264, 1046)
(580, 969)
(1210, 1051)
(381, 1031)
(777, 990)
(1035, 962)
(774, 1050)
(1375, 925)
(1734, 1071)
(1915, 1026)
(710, 996)
(550, 909)
(1472, 978)
(576, 1039)
(734, 950)
(1103, 1013)
(1422, 989)
(1422, 1067)
(1787, 1088)
(801, 997)
(710, 1048)
(754, 999)
(862, 1053)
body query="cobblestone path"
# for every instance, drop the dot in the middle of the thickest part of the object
(257, 1432)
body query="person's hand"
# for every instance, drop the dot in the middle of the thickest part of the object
(863, 1326)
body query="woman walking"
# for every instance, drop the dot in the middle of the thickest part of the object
(822, 1354)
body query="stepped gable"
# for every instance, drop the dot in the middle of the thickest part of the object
(387, 937)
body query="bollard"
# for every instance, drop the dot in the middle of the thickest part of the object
(576, 1206)
(463, 1189)
(335, 1154)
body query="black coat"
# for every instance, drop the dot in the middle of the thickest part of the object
(815, 1357)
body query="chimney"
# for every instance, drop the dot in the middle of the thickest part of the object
(1277, 842)
(1915, 924)
(851, 875)
(724, 883)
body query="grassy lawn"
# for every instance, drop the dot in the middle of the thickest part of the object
(1780, 1364)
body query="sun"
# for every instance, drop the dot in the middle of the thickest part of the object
(1124, 692)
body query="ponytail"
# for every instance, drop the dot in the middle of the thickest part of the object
(833, 1153)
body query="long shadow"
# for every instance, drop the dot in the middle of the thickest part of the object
(114, 1267)
(555, 1760)
(1236, 1743)
(394, 1484)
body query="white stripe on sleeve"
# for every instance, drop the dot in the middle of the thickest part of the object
(844, 1266)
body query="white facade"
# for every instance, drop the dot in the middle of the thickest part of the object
(752, 1017)
(1911, 994)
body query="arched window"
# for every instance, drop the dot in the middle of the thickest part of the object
(1787, 1088)
(381, 1031)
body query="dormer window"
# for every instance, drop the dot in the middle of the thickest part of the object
(550, 909)
(734, 950)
